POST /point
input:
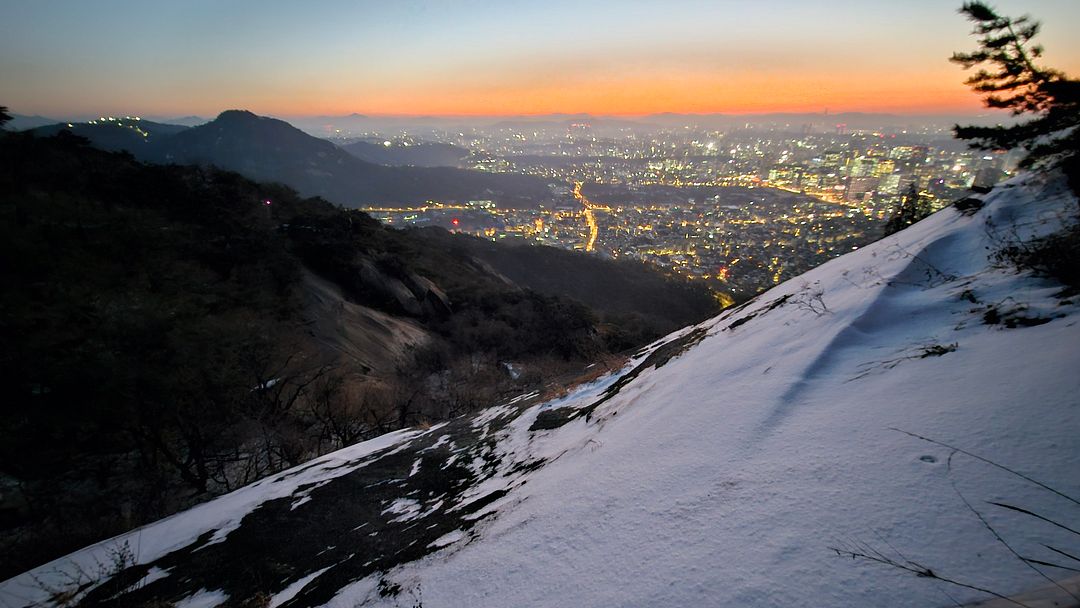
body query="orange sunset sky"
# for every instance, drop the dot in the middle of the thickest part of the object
(472, 57)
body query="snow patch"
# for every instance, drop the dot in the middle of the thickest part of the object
(443, 440)
(293, 589)
(405, 508)
(448, 539)
(222, 515)
(203, 599)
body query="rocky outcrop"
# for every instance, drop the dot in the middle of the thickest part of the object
(353, 336)
(433, 301)
(411, 293)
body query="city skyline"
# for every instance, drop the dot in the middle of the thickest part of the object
(489, 59)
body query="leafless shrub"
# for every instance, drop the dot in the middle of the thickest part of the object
(920, 352)
(934, 276)
(811, 297)
(73, 580)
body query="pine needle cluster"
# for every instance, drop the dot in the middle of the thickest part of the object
(1010, 78)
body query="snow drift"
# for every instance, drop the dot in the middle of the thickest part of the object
(723, 466)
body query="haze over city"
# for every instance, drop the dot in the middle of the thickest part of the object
(79, 59)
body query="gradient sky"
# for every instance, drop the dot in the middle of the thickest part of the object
(64, 58)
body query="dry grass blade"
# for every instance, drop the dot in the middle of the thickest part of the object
(1035, 515)
(989, 462)
(868, 554)
(1027, 562)
(1032, 560)
(1060, 552)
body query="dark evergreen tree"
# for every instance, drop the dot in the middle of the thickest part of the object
(911, 208)
(1012, 80)
(4, 116)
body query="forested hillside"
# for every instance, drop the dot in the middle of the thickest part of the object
(173, 332)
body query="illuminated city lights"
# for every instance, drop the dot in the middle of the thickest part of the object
(743, 208)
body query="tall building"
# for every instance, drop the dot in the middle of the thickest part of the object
(890, 184)
(884, 167)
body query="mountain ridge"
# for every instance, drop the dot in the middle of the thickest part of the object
(270, 149)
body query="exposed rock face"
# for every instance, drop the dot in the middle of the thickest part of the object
(433, 301)
(484, 266)
(389, 288)
(354, 336)
(412, 293)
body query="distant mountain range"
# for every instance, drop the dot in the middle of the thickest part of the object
(418, 155)
(852, 120)
(269, 149)
(135, 136)
(21, 122)
(355, 124)
(365, 173)
(359, 124)
(187, 121)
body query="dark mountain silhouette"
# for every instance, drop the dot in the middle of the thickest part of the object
(427, 154)
(852, 120)
(135, 136)
(20, 122)
(565, 121)
(269, 149)
(187, 121)
(332, 118)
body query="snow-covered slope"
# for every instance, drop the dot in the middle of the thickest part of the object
(721, 467)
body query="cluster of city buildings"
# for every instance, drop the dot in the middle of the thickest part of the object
(742, 209)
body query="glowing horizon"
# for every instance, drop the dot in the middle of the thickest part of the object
(650, 95)
(481, 58)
